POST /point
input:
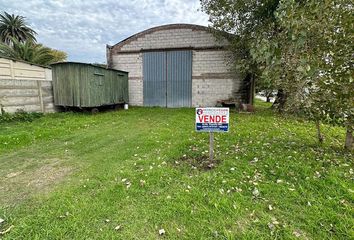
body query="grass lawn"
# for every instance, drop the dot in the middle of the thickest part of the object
(128, 174)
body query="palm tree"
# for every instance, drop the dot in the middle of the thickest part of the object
(12, 26)
(27, 51)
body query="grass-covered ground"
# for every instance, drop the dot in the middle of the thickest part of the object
(128, 174)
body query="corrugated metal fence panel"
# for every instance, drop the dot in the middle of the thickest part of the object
(179, 79)
(154, 84)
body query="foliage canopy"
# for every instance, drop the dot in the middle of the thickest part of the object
(18, 41)
(15, 27)
(302, 47)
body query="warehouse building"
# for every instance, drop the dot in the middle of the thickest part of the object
(176, 65)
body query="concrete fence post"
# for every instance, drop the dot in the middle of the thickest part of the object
(40, 96)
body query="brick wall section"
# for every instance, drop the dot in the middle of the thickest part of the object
(133, 64)
(211, 78)
(173, 38)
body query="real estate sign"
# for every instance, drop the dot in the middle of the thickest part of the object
(212, 119)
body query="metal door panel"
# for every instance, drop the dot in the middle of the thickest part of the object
(179, 79)
(154, 82)
(167, 79)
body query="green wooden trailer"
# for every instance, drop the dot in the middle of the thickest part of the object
(88, 86)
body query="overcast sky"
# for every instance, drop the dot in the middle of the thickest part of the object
(82, 28)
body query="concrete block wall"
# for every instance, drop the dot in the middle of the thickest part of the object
(25, 87)
(211, 76)
(212, 79)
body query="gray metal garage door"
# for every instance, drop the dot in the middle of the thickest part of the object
(154, 74)
(167, 78)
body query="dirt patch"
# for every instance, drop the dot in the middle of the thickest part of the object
(19, 185)
(48, 174)
(201, 162)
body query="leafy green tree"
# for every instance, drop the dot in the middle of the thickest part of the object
(317, 38)
(27, 51)
(15, 27)
(248, 21)
(266, 88)
(58, 56)
(311, 59)
(303, 48)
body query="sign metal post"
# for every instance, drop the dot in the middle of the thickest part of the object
(211, 146)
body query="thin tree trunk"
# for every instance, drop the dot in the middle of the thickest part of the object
(252, 90)
(349, 140)
(280, 100)
(268, 99)
(319, 134)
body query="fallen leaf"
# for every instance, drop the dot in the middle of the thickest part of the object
(271, 226)
(7, 230)
(255, 192)
(14, 174)
(297, 233)
(254, 160)
(274, 221)
(162, 232)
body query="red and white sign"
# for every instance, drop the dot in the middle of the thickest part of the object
(212, 119)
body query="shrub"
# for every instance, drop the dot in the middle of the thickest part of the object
(19, 116)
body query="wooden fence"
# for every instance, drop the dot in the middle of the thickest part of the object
(25, 87)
